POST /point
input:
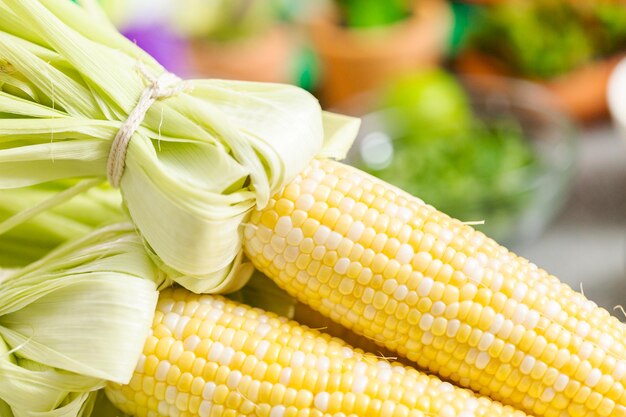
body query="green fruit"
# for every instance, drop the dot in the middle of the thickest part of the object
(430, 100)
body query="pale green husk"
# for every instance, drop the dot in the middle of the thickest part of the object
(200, 162)
(42, 232)
(82, 214)
(84, 307)
(73, 320)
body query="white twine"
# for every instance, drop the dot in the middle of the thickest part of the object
(164, 86)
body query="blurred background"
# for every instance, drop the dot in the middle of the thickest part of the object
(492, 111)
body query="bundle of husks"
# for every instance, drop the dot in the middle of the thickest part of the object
(191, 158)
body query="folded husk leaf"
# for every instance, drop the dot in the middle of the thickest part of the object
(200, 161)
(74, 393)
(73, 320)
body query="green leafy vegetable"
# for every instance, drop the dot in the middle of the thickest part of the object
(546, 38)
(468, 168)
(373, 13)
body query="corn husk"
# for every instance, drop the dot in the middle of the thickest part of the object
(73, 320)
(83, 213)
(74, 277)
(40, 232)
(199, 163)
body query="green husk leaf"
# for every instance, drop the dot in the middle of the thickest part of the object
(22, 88)
(74, 319)
(20, 107)
(5, 410)
(197, 166)
(72, 218)
(53, 201)
(340, 132)
(66, 93)
(11, 23)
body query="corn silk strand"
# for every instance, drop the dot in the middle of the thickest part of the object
(195, 167)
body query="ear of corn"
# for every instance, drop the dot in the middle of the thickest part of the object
(208, 356)
(396, 270)
(72, 320)
(197, 164)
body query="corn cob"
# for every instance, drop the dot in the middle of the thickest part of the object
(436, 291)
(208, 356)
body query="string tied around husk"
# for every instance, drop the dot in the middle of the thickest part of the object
(163, 86)
(190, 164)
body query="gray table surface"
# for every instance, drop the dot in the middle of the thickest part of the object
(587, 241)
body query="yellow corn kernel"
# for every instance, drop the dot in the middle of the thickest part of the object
(322, 377)
(432, 281)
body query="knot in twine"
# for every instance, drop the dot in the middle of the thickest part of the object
(164, 86)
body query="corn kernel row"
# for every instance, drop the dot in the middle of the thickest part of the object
(208, 357)
(433, 289)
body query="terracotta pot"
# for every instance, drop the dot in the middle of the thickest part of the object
(357, 60)
(266, 57)
(580, 93)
